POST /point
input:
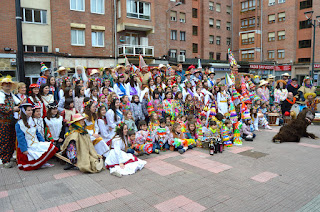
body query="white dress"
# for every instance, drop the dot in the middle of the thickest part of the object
(104, 130)
(130, 91)
(47, 99)
(118, 155)
(222, 101)
(112, 123)
(55, 126)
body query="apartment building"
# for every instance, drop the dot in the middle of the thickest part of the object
(278, 42)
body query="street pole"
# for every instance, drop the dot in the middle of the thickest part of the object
(313, 49)
(20, 56)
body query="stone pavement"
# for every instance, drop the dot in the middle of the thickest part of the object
(259, 176)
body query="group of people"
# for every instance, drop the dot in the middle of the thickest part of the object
(114, 115)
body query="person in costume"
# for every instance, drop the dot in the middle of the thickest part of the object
(222, 100)
(108, 76)
(41, 126)
(187, 90)
(137, 110)
(45, 96)
(35, 99)
(21, 95)
(306, 87)
(53, 88)
(132, 87)
(155, 105)
(78, 99)
(263, 91)
(178, 104)
(8, 102)
(66, 83)
(79, 149)
(311, 101)
(237, 139)
(118, 161)
(33, 151)
(293, 87)
(80, 75)
(227, 133)
(67, 93)
(129, 121)
(160, 136)
(114, 116)
(103, 124)
(211, 80)
(92, 84)
(280, 92)
(119, 86)
(188, 77)
(92, 128)
(55, 124)
(45, 73)
(287, 104)
(178, 140)
(62, 73)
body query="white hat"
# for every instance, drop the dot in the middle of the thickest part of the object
(94, 71)
(285, 74)
(263, 82)
(161, 66)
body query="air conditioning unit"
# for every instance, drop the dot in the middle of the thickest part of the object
(181, 58)
(272, 3)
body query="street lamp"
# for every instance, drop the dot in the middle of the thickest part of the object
(314, 25)
(168, 25)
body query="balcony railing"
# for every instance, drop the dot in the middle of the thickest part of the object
(135, 50)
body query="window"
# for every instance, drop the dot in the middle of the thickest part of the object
(132, 39)
(304, 60)
(34, 16)
(211, 55)
(305, 4)
(251, 38)
(77, 37)
(182, 36)
(97, 38)
(271, 54)
(244, 23)
(30, 48)
(252, 22)
(281, 16)
(218, 7)
(97, 6)
(218, 40)
(281, 1)
(271, 36)
(182, 18)
(272, 18)
(173, 15)
(228, 41)
(305, 24)
(77, 5)
(183, 52)
(218, 56)
(211, 39)
(281, 54)
(173, 35)
(244, 6)
(138, 9)
(211, 22)
(229, 9)
(173, 53)
(304, 44)
(119, 9)
(229, 26)
(211, 4)
(272, 2)
(194, 13)
(281, 35)
(194, 30)
(244, 39)
(258, 21)
(218, 24)
(247, 55)
(194, 48)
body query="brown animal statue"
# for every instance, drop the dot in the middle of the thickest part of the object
(297, 128)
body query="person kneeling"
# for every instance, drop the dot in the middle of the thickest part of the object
(33, 151)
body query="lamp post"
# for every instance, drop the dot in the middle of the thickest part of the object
(168, 25)
(20, 55)
(314, 24)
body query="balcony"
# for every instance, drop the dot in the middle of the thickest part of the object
(135, 50)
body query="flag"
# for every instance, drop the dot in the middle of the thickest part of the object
(228, 80)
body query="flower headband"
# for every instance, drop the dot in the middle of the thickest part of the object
(66, 78)
(85, 104)
(121, 124)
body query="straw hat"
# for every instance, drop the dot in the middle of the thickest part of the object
(8, 79)
(162, 66)
(309, 94)
(284, 82)
(94, 71)
(286, 74)
(76, 117)
(187, 73)
(263, 82)
(120, 67)
(61, 68)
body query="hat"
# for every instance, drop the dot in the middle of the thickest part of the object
(126, 61)
(36, 107)
(286, 75)
(162, 66)
(191, 67)
(25, 105)
(233, 113)
(245, 115)
(8, 79)
(211, 71)
(256, 98)
(141, 62)
(61, 68)
(251, 84)
(309, 94)
(306, 78)
(155, 68)
(94, 71)
(52, 105)
(270, 76)
(43, 67)
(284, 82)
(187, 73)
(263, 82)
(120, 67)
(34, 86)
(76, 117)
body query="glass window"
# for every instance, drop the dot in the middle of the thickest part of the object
(77, 5)
(37, 16)
(271, 54)
(211, 5)
(281, 16)
(251, 38)
(194, 13)
(305, 44)
(137, 9)
(229, 9)
(229, 26)
(281, 54)
(173, 35)
(28, 15)
(97, 6)
(218, 56)
(211, 22)
(194, 48)
(218, 40)
(182, 36)
(281, 35)
(244, 39)
(77, 37)
(218, 24)
(272, 2)
(97, 38)
(173, 53)
(183, 52)
(218, 7)
(173, 15)
(272, 18)
(228, 41)
(182, 17)
(271, 36)
(194, 30)
(281, 1)
(305, 24)
(305, 4)
(34, 16)
(211, 39)
(211, 55)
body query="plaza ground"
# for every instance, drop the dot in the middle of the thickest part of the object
(258, 176)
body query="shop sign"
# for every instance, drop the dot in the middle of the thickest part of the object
(276, 68)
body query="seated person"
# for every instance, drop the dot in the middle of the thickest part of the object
(312, 101)
(287, 104)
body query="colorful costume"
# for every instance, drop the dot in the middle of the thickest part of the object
(237, 140)
(226, 134)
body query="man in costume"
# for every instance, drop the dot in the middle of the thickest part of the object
(45, 73)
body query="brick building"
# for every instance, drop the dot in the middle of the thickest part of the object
(278, 42)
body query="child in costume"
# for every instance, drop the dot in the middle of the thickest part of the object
(35, 99)
(155, 104)
(245, 131)
(161, 135)
(212, 130)
(136, 108)
(154, 122)
(189, 105)
(118, 161)
(125, 104)
(311, 101)
(68, 111)
(178, 140)
(79, 149)
(103, 124)
(33, 151)
(168, 104)
(191, 131)
(114, 116)
(102, 101)
(129, 121)
(78, 99)
(237, 139)
(45, 96)
(178, 104)
(143, 136)
(41, 125)
(227, 133)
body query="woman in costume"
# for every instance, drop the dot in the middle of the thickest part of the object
(33, 151)
(119, 87)
(118, 161)
(45, 96)
(132, 87)
(280, 93)
(80, 75)
(222, 100)
(114, 116)
(35, 99)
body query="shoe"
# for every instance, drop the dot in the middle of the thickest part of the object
(68, 166)
(47, 165)
(157, 151)
(117, 174)
(268, 127)
(181, 151)
(8, 165)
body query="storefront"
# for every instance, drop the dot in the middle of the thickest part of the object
(265, 70)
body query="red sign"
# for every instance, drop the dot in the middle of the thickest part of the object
(316, 65)
(271, 67)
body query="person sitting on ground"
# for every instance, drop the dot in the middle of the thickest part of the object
(287, 104)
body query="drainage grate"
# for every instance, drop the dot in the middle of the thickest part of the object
(253, 154)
